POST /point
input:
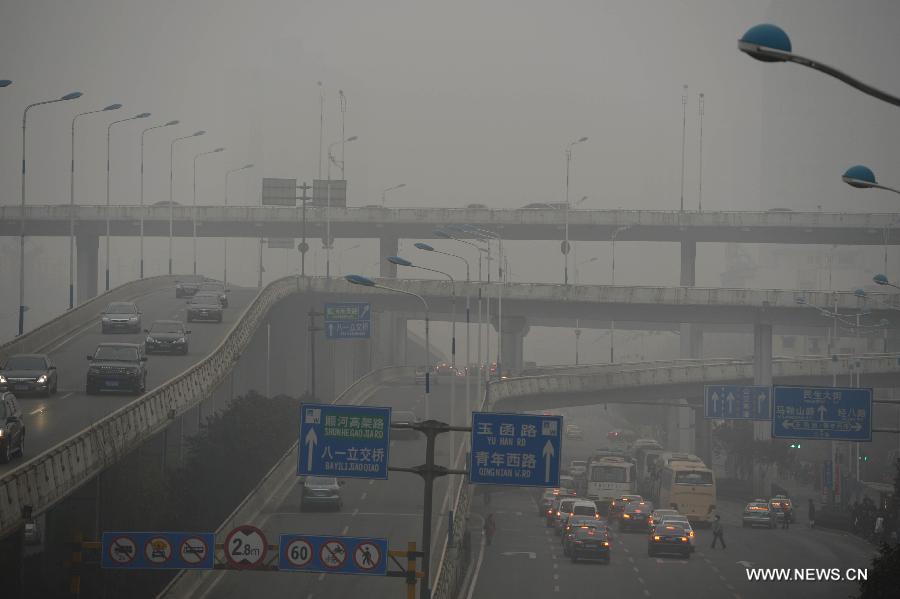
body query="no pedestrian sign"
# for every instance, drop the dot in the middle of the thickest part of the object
(332, 554)
(344, 441)
(515, 449)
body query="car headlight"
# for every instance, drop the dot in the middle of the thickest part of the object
(105, 319)
(132, 318)
(42, 379)
(151, 340)
(2, 380)
(1, 433)
(181, 340)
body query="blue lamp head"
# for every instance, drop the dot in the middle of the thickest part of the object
(399, 261)
(170, 123)
(441, 233)
(113, 107)
(5, 82)
(359, 280)
(859, 176)
(143, 115)
(424, 246)
(765, 37)
(859, 292)
(881, 279)
(72, 96)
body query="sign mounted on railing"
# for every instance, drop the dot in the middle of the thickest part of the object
(333, 554)
(158, 550)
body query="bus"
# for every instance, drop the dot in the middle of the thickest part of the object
(645, 461)
(687, 486)
(609, 477)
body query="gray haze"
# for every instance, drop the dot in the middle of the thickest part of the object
(464, 102)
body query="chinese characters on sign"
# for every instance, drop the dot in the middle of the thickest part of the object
(515, 449)
(344, 441)
(822, 413)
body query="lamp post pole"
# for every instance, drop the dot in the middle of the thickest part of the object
(22, 307)
(194, 205)
(169, 124)
(566, 247)
(172, 188)
(72, 203)
(225, 237)
(384, 191)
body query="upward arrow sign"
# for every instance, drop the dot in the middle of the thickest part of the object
(311, 440)
(548, 453)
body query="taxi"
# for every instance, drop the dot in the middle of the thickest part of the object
(669, 538)
(758, 513)
(779, 503)
(657, 515)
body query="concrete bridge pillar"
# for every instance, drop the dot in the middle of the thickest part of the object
(87, 247)
(513, 343)
(682, 426)
(389, 246)
(762, 375)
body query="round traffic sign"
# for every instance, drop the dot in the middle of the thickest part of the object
(303, 247)
(158, 550)
(565, 246)
(333, 554)
(193, 550)
(298, 553)
(122, 550)
(245, 547)
(367, 556)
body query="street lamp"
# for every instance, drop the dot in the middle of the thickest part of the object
(225, 237)
(881, 279)
(172, 188)
(169, 124)
(769, 43)
(72, 203)
(583, 262)
(22, 308)
(565, 245)
(194, 206)
(142, 115)
(384, 191)
(328, 241)
(862, 177)
(5, 82)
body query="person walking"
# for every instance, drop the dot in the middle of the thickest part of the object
(785, 516)
(812, 514)
(718, 532)
(490, 527)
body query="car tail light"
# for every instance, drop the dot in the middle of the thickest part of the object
(626, 515)
(691, 533)
(684, 539)
(655, 537)
(606, 543)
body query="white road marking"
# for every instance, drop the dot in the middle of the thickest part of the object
(553, 555)
(372, 482)
(641, 580)
(646, 593)
(556, 589)
(38, 410)
(722, 578)
(555, 566)
(477, 566)
(363, 496)
(321, 576)
(355, 511)
(635, 568)
(309, 596)
(346, 528)
(729, 587)
(556, 577)
(630, 559)
(714, 569)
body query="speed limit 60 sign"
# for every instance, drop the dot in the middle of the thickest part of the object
(332, 554)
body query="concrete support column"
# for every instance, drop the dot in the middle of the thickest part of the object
(514, 330)
(87, 247)
(762, 375)
(682, 428)
(402, 347)
(389, 246)
(688, 263)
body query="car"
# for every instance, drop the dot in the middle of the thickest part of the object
(659, 514)
(12, 428)
(120, 316)
(553, 512)
(590, 543)
(419, 378)
(778, 504)
(166, 203)
(573, 523)
(574, 432)
(321, 491)
(117, 367)
(565, 507)
(546, 499)
(186, 288)
(635, 515)
(567, 483)
(537, 206)
(443, 369)
(671, 538)
(617, 505)
(204, 306)
(577, 468)
(217, 288)
(166, 337)
(758, 513)
(677, 519)
(404, 417)
(476, 206)
(29, 373)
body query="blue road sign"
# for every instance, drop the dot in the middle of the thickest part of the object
(344, 441)
(515, 449)
(348, 321)
(158, 550)
(332, 554)
(822, 413)
(737, 402)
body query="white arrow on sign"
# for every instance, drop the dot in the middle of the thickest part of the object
(729, 400)
(715, 403)
(548, 453)
(311, 440)
(530, 554)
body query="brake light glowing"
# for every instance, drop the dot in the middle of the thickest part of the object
(626, 515)
(606, 543)
(691, 533)
(655, 537)
(684, 539)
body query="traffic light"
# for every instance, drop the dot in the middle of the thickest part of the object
(795, 445)
(864, 458)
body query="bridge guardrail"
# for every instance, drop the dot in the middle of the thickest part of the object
(56, 329)
(187, 583)
(49, 477)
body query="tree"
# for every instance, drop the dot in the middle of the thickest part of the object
(884, 575)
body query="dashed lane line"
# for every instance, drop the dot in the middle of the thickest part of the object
(630, 559)
(635, 568)
(372, 482)
(355, 511)
(363, 496)
(556, 588)
(646, 593)
(321, 576)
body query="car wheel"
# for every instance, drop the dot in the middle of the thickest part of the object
(55, 387)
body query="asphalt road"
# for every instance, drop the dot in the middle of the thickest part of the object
(372, 508)
(48, 421)
(526, 561)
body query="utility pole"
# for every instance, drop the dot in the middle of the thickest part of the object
(313, 329)
(683, 130)
(303, 247)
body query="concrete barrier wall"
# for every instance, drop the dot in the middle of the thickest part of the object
(189, 583)
(52, 331)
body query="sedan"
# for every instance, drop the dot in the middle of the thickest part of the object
(589, 542)
(321, 491)
(635, 515)
(671, 538)
(121, 316)
(166, 336)
(29, 373)
(204, 306)
(758, 513)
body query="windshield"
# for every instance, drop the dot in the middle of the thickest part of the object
(609, 474)
(167, 327)
(205, 298)
(121, 308)
(694, 477)
(111, 352)
(25, 363)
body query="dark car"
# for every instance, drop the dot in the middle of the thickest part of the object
(635, 515)
(186, 288)
(401, 417)
(204, 306)
(121, 316)
(117, 367)
(217, 288)
(167, 337)
(29, 373)
(669, 538)
(589, 542)
(12, 428)
(617, 505)
(573, 524)
(321, 491)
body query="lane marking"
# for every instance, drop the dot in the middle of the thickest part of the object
(38, 410)
(646, 593)
(556, 589)
(555, 566)
(478, 565)
(556, 577)
(641, 580)
(321, 576)
(714, 569)
(364, 495)
(729, 587)
(722, 578)
(372, 482)
(630, 559)
(346, 528)
(355, 511)
(635, 568)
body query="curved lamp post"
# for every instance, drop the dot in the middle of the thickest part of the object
(22, 308)
(566, 246)
(194, 205)
(387, 189)
(142, 115)
(881, 279)
(172, 188)
(169, 124)
(225, 237)
(72, 202)
(862, 177)
(770, 43)
(331, 159)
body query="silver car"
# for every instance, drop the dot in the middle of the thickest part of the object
(321, 491)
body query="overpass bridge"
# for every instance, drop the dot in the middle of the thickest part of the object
(389, 225)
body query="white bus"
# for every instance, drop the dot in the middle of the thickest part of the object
(608, 478)
(689, 487)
